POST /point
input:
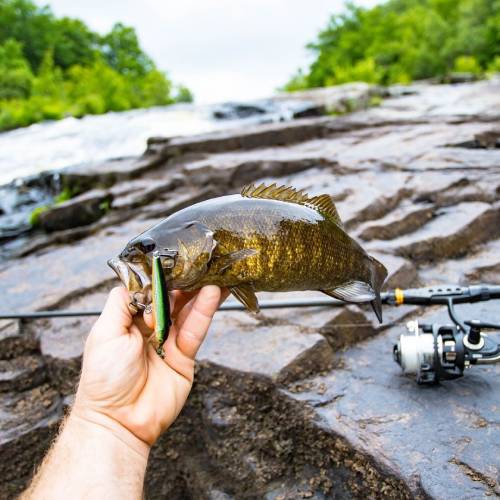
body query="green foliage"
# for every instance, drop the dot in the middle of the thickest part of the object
(51, 68)
(122, 52)
(467, 64)
(65, 195)
(34, 218)
(404, 40)
(16, 77)
(105, 206)
(494, 66)
(183, 94)
(297, 82)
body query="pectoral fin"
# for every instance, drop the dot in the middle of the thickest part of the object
(246, 295)
(226, 260)
(352, 291)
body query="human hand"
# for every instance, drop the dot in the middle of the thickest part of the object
(124, 384)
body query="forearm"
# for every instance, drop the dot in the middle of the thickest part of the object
(92, 458)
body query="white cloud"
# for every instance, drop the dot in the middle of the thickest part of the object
(221, 49)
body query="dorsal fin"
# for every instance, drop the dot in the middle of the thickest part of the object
(326, 206)
(322, 203)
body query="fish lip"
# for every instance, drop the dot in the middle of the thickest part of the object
(121, 270)
(129, 271)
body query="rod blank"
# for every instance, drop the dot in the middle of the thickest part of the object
(228, 306)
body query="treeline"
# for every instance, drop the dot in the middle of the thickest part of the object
(405, 40)
(55, 67)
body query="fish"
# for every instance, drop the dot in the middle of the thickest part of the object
(271, 238)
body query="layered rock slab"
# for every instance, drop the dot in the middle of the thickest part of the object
(296, 403)
(434, 436)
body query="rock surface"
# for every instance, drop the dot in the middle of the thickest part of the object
(291, 403)
(79, 211)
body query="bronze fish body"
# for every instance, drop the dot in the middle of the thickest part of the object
(268, 238)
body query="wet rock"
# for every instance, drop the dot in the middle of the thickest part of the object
(478, 224)
(353, 327)
(62, 340)
(460, 77)
(231, 111)
(21, 373)
(230, 173)
(463, 190)
(28, 424)
(444, 102)
(316, 359)
(177, 201)
(309, 111)
(146, 193)
(241, 346)
(106, 173)
(402, 273)
(80, 211)
(15, 340)
(337, 99)
(408, 426)
(254, 443)
(398, 224)
(83, 266)
(252, 137)
(470, 269)
(490, 139)
(379, 208)
(294, 402)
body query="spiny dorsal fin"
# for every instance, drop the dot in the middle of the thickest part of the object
(322, 203)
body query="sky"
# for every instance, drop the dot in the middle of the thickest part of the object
(222, 50)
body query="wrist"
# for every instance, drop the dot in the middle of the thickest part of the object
(105, 427)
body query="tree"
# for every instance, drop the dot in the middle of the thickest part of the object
(51, 68)
(16, 78)
(122, 52)
(183, 94)
(402, 40)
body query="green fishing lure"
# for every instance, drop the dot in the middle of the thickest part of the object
(161, 304)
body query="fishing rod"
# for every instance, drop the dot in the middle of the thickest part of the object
(227, 306)
(431, 352)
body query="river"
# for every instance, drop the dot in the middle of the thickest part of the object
(50, 146)
(58, 144)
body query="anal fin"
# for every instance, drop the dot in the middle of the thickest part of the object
(246, 295)
(358, 292)
(352, 291)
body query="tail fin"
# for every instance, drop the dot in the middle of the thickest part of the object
(378, 276)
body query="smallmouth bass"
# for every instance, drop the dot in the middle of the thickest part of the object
(268, 238)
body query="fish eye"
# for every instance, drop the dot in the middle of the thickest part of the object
(167, 262)
(146, 245)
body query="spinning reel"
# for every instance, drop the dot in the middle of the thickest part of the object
(434, 352)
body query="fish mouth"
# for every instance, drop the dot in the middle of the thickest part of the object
(136, 277)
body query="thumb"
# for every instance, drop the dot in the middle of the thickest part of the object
(116, 318)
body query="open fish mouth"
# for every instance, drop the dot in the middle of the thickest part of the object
(136, 277)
